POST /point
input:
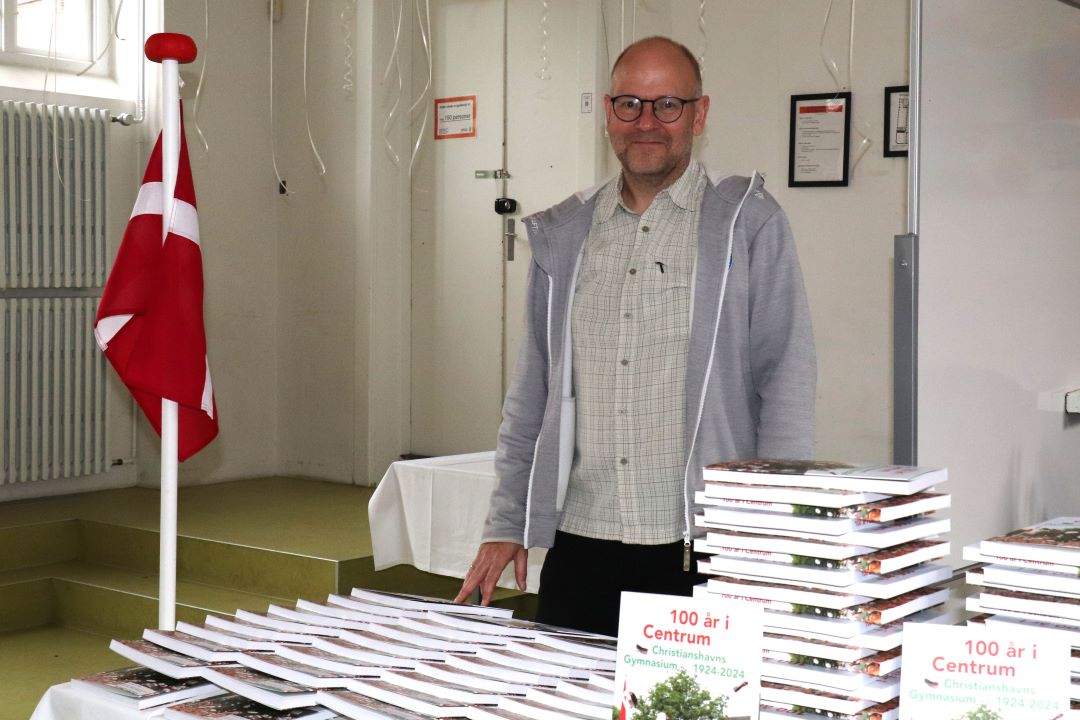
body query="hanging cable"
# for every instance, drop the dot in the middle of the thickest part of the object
(282, 188)
(704, 36)
(830, 64)
(202, 76)
(862, 127)
(348, 15)
(108, 43)
(545, 34)
(424, 20)
(394, 63)
(307, 112)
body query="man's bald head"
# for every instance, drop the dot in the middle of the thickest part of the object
(679, 52)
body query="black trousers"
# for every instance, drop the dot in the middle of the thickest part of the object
(582, 579)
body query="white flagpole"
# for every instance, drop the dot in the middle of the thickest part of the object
(169, 49)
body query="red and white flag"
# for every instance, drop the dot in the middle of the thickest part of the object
(150, 320)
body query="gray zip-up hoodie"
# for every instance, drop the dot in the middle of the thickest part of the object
(751, 369)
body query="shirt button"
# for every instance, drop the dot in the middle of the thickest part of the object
(644, 228)
(624, 362)
(626, 315)
(633, 271)
(622, 411)
(624, 461)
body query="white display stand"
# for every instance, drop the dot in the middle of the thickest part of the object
(430, 513)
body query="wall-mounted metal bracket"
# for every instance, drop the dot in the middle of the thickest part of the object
(492, 174)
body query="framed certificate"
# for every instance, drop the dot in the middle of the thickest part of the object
(820, 138)
(896, 121)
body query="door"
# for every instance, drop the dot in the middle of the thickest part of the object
(535, 118)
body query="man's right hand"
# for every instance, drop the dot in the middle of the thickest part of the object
(491, 560)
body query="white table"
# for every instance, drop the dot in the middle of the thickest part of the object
(429, 514)
(65, 702)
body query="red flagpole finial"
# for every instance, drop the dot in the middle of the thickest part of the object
(171, 46)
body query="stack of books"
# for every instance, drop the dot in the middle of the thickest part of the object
(375, 655)
(840, 557)
(1030, 578)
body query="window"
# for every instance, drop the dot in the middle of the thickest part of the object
(63, 34)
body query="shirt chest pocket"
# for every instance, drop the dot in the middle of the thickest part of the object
(665, 300)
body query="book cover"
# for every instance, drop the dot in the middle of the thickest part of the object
(872, 537)
(361, 707)
(159, 659)
(888, 479)
(418, 638)
(143, 688)
(430, 626)
(410, 699)
(685, 657)
(1062, 608)
(779, 711)
(500, 671)
(373, 639)
(586, 691)
(739, 539)
(570, 703)
(273, 622)
(260, 687)
(545, 668)
(972, 553)
(338, 646)
(601, 648)
(406, 601)
(542, 651)
(460, 676)
(807, 697)
(536, 710)
(343, 611)
(234, 707)
(191, 645)
(317, 657)
(440, 688)
(295, 671)
(1054, 541)
(1030, 579)
(312, 618)
(228, 638)
(974, 604)
(819, 519)
(252, 630)
(820, 497)
(832, 573)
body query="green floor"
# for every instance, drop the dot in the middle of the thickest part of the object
(307, 519)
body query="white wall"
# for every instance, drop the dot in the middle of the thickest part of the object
(758, 54)
(999, 247)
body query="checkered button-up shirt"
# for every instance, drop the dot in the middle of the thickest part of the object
(631, 326)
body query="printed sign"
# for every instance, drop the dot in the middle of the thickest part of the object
(983, 673)
(455, 117)
(681, 657)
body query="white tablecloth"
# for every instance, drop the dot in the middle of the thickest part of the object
(65, 702)
(430, 513)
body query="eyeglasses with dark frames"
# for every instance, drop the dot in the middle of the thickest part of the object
(667, 109)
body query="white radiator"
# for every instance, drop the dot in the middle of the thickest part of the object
(52, 269)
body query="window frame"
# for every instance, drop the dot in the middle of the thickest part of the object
(100, 12)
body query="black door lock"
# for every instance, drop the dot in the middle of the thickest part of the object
(505, 206)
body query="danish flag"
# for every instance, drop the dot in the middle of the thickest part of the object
(150, 320)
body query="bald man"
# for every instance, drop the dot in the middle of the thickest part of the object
(666, 328)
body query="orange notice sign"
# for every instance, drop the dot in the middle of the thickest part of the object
(455, 117)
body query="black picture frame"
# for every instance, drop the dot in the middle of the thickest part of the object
(808, 139)
(897, 102)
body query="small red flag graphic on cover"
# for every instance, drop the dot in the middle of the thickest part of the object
(150, 319)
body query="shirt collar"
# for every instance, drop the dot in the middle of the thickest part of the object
(685, 192)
